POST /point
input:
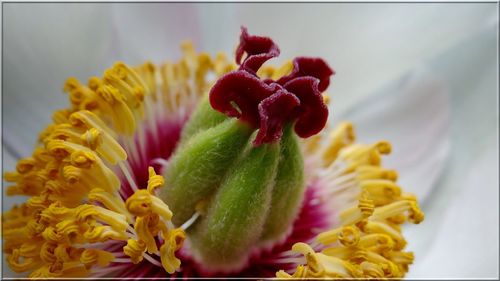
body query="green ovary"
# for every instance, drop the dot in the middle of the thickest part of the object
(251, 194)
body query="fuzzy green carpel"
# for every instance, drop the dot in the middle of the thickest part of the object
(237, 176)
(197, 168)
(250, 194)
(237, 214)
(288, 189)
(203, 118)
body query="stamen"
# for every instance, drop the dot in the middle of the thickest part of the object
(128, 176)
(152, 260)
(122, 260)
(190, 221)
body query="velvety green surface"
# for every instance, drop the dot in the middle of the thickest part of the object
(204, 117)
(288, 190)
(252, 194)
(237, 214)
(197, 168)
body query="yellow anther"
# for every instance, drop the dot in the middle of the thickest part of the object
(42, 272)
(339, 138)
(266, 71)
(60, 117)
(30, 249)
(357, 213)
(58, 149)
(92, 138)
(283, 70)
(399, 207)
(38, 203)
(155, 181)
(205, 64)
(375, 172)
(371, 270)
(147, 72)
(343, 253)
(187, 49)
(71, 84)
(72, 174)
(326, 98)
(55, 212)
(142, 228)
(139, 204)
(173, 242)
(116, 85)
(79, 94)
(359, 154)
(71, 230)
(112, 202)
(116, 221)
(76, 96)
(91, 257)
(135, 249)
(119, 88)
(103, 233)
(142, 203)
(369, 226)
(182, 70)
(52, 235)
(94, 83)
(377, 242)
(11, 176)
(83, 159)
(139, 94)
(104, 145)
(25, 165)
(222, 65)
(86, 119)
(56, 187)
(402, 259)
(42, 155)
(390, 269)
(121, 114)
(33, 229)
(347, 235)
(61, 253)
(381, 191)
(19, 263)
(95, 172)
(315, 268)
(130, 76)
(47, 252)
(321, 265)
(53, 169)
(72, 269)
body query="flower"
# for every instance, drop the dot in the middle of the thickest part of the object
(99, 206)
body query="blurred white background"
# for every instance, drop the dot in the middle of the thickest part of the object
(422, 75)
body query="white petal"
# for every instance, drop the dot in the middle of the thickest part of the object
(413, 114)
(459, 237)
(154, 31)
(368, 45)
(461, 229)
(43, 45)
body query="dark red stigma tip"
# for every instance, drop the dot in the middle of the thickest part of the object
(268, 104)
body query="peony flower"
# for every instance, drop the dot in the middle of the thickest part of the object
(247, 197)
(365, 126)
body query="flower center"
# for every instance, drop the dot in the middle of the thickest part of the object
(247, 195)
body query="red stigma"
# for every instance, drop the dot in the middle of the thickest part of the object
(268, 104)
